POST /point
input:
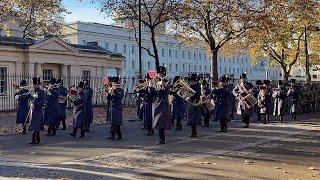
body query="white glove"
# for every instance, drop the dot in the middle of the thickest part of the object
(35, 95)
(16, 97)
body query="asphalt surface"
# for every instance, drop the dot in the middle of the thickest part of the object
(276, 151)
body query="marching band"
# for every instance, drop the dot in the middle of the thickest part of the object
(161, 103)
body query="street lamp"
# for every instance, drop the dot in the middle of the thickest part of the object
(140, 45)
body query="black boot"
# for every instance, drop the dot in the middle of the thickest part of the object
(150, 131)
(119, 135)
(74, 132)
(33, 141)
(194, 131)
(267, 118)
(24, 129)
(64, 127)
(38, 137)
(112, 133)
(83, 133)
(49, 131)
(281, 119)
(178, 125)
(162, 136)
(54, 131)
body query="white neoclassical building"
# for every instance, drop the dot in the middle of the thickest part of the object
(179, 58)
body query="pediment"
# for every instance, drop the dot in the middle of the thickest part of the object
(52, 44)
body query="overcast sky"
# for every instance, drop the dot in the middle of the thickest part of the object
(85, 11)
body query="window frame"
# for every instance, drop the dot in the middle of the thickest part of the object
(3, 79)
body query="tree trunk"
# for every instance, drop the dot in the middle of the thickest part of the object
(155, 49)
(308, 75)
(214, 64)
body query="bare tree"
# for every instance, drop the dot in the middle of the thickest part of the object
(154, 16)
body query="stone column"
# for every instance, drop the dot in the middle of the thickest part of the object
(19, 69)
(31, 69)
(38, 70)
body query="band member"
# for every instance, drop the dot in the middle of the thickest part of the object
(231, 98)
(38, 100)
(88, 105)
(51, 110)
(222, 103)
(293, 93)
(264, 101)
(22, 95)
(206, 92)
(115, 94)
(279, 95)
(62, 104)
(194, 108)
(79, 116)
(147, 100)
(256, 108)
(178, 106)
(160, 107)
(243, 87)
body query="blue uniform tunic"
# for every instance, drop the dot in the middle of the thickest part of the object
(51, 110)
(194, 112)
(88, 105)
(294, 94)
(79, 116)
(23, 106)
(62, 106)
(222, 103)
(149, 95)
(179, 107)
(160, 108)
(116, 107)
(38, 101)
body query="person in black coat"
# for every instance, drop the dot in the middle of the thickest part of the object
(51, 109)
(256, 108)
(62, 104)
(279, 95)
(265, 101)
(294, 95)
(194, 108)
(179, 107)
(79, 116)
(38, 99)
(204, 110)
(160, 109)
(148, 95)
(222, 104)
(88, 105)
(22, 96)
(115, 94)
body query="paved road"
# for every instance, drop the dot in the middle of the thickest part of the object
(275, 151)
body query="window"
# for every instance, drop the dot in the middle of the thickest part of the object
(189, 55)
(47, 74)
(200, 58)
(183, 54)
(183, 67)
(200, 68)
(229, 70)
(176, 54)
(205, 57)
(194, 56)
(225, 70)
(106, 46)
(314, 76)
(84, 42)
(115, 47)
(177, 69)
(133, 65)
(149, 65)
(205, 68)
(195, 67)
(132, 49)
(86, 74)
(170, 53)
(124, 48)
(220, 69)
(162, 52)
(189, 67)
(170, 67)
(3, 79)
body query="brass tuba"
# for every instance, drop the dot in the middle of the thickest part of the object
(184, 90)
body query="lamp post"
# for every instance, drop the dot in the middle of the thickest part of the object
(140, 45)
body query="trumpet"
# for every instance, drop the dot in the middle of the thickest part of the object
(141, 86)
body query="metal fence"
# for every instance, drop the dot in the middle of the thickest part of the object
(8, 83)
